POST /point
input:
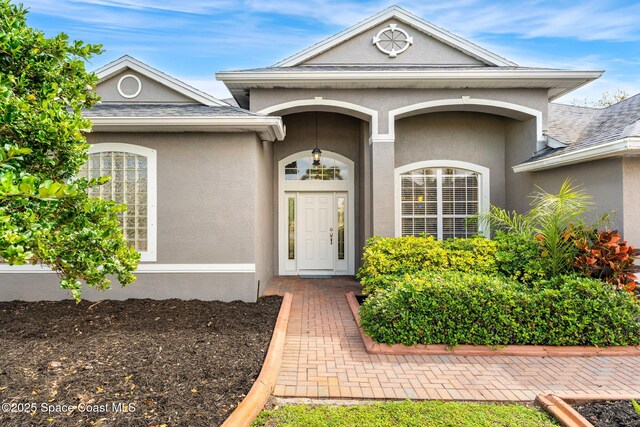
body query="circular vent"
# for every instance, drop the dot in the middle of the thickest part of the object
(129, 86)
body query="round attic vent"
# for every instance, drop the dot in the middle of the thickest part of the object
(129, 86)
(392, 40)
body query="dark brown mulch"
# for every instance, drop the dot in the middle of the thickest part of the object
(615, 413)
(179, 363)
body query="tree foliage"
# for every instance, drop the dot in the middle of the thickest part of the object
(606, 99)
(46, 215)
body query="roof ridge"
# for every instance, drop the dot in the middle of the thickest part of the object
(457, 42)
(113, 67)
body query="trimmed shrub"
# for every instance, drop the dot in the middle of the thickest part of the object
(519, 257)
(473, 254)
(456, 308)
(387, 260)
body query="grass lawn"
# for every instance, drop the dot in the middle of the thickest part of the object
(407, 413)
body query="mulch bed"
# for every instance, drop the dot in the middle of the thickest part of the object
(174, 363)
(616, 413)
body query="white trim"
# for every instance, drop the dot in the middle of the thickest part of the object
(422, 107)
(619, 147)
(285, 186)
(152, 189)
(119, 86)
(331, 105)
(400, 14)
(268, 128)
(559, 82)
(126, 61)
(485, 188)
(148, 268)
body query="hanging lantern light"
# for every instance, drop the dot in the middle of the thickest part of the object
(316, 153)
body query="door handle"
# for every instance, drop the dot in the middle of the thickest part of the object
(331, 235)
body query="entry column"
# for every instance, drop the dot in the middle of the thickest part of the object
(382, 185)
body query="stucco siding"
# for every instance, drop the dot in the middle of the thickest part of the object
(601, 179)
(631, 194)
(520, 140)
(384, 101)
(151, 91)
(264, 214)
(202, 286)
(206, 194)
(360, 50)
(470, 137)
(207, 205)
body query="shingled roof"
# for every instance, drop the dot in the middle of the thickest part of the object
(165, 110)
(582, 128)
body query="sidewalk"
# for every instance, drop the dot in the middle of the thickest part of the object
(324, 358)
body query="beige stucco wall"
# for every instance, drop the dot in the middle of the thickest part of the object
(151, 92)
(337, 133)
(360, 50)
(470, 137)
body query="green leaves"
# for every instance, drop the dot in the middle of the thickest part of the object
(387, 259)
(46, 215)
(453, 308)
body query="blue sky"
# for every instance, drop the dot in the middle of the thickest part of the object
(191, 40)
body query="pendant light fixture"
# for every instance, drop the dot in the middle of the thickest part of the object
(316, 153)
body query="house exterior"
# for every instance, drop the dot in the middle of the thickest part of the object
(419, 130)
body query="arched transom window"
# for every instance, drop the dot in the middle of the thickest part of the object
(441, 201)
(302, 169)
(133, 175)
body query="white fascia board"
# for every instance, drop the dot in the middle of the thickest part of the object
(610, 149)
(269, 128)
(396, 12)
(405, 75)
(127, 61)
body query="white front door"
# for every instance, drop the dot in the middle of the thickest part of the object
(316, 231)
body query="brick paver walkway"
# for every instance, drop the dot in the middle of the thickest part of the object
(324, 357)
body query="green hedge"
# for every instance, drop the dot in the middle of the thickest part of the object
(386, 260)
(469, 308)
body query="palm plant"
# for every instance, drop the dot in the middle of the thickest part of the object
(548, 222)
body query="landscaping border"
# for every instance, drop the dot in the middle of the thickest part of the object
(484, 350)
(254, 401)
(560, 407)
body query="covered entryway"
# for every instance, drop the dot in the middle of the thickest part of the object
(316, 216)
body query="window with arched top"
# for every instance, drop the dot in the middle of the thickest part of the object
(441, 198)
(133, 183)
(303, 169)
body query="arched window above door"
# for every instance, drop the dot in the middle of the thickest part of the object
(330, 169)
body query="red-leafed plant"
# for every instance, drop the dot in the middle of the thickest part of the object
(605, 256)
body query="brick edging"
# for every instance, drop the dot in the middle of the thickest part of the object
(560, 408)
(254, 401)
(484, 350)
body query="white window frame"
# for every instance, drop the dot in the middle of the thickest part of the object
(152, 196)
(484, 202)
